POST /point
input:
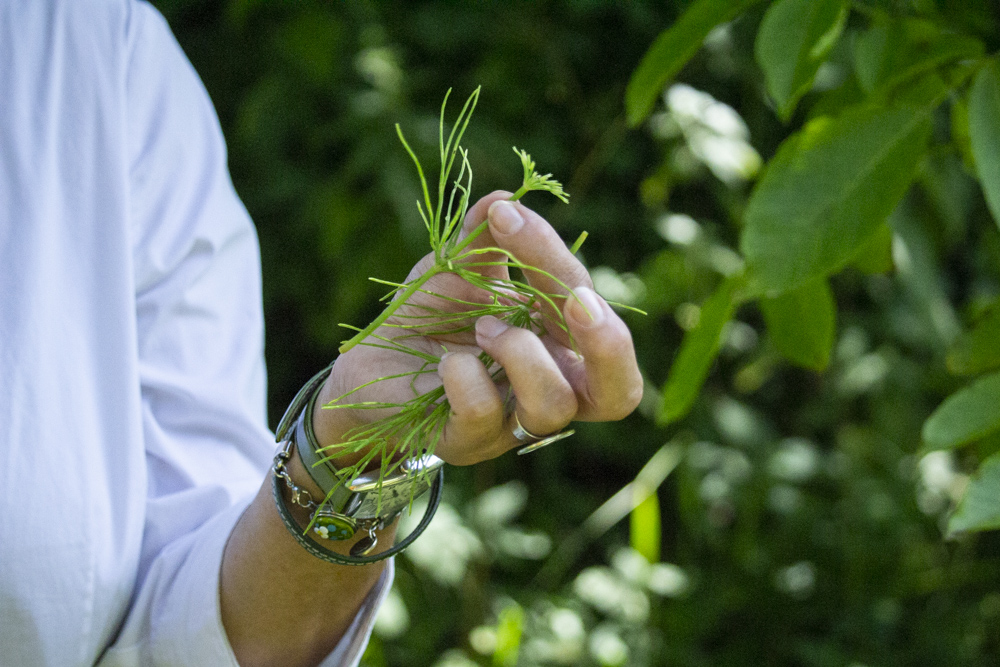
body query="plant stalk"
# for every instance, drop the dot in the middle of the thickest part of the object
(443, 264)
(391, 308)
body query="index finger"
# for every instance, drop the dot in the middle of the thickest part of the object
(534, 242)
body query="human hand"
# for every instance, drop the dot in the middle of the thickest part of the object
(551, 383)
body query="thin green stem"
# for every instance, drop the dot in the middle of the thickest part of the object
(417, 426)
(391, 308)
(521, 191)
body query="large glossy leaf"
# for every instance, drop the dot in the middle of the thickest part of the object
(672, 49)
(979, 508)
(802, 323)
(967, 415)
(875, 256)
(978, 349)
(984, 132)
(697, 353)
(827, 192)
(889, 54)
(793, 41)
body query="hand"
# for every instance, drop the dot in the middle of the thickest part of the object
(551, 383)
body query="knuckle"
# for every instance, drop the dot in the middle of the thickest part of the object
(579, 276)
(475, 412)
(564, 404)
(634, 397)
(557, 409)
(629, 404)
(463, 459)
(466, 450)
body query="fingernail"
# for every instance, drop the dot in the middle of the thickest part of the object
(444, 356)
(490, 327)
(586, 308)
(504, 217)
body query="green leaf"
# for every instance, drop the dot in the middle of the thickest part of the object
(979, 508)
(984, 132)
(890, 54)
(802, 324)
(950, 188)
(967, 415)
(644, 525)
(960, 132)
(510, 627)
(976, 350)
(837, 100)
(827, 192)
(697, 353)
(793, 41)
(875, 256)
(671, 51)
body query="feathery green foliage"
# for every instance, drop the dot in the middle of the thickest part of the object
(416, 426)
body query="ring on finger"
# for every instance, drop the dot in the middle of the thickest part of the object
(531, 441)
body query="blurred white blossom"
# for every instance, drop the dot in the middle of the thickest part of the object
(446, 548)
(604, 590)
(607, 647)
(678, 228)
(713, 132)
(796, 460)
(797, 580)
(626, 288)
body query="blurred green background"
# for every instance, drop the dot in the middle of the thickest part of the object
(788, 520)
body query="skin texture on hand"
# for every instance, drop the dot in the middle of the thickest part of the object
(281, 605)
(553, 382)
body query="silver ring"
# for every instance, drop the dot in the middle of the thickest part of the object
(531, 441)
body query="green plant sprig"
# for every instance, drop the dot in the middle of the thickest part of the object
(416, 426)
(443, 225)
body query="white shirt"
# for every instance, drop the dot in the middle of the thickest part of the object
(132, 385)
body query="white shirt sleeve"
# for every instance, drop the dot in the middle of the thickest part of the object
(200, 349)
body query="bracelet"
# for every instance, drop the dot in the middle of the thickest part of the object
(367, 502)
(321, 552)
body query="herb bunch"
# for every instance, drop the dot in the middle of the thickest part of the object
(415, 427)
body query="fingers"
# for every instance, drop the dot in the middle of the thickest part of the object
(605, 376)
(480, 425)
(587, 373)
(474, 218)
(545, 400)
(478, 213)
(473, 431)
(534, 242)
(527, 236)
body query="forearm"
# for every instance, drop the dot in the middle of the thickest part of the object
(281, 605)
